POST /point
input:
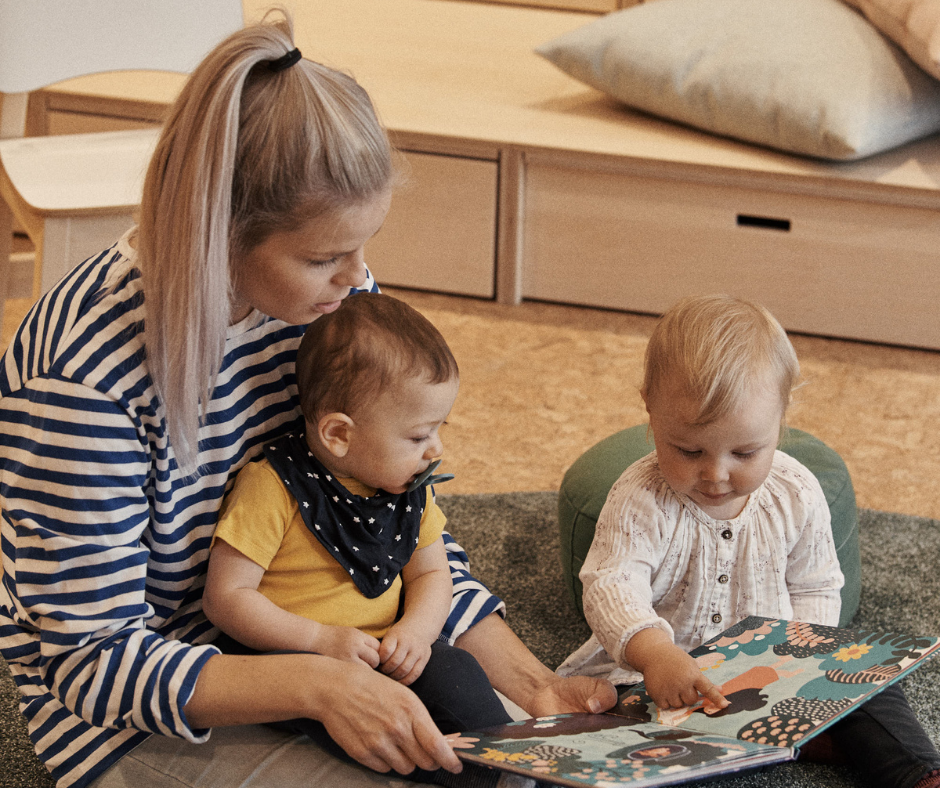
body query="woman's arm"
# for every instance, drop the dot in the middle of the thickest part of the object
(475, 624)
(377, 721)
(233, 603)
(93, 582)
(518, 674)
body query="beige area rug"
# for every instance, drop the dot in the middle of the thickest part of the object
(541, 383)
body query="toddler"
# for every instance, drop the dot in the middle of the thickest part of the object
(332, 542)
(717, 524)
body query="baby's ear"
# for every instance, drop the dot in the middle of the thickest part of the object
(334, 430)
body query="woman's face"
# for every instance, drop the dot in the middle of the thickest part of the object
(297, 276)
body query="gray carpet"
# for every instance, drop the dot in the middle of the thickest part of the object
(512, 543)
(513, 547)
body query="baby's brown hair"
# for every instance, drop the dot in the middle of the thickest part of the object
(348, 357)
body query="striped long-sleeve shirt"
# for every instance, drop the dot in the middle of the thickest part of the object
(104, 543)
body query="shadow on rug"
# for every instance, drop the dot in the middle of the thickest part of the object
(512, 540)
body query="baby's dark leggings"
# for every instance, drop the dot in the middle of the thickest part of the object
(453, 688)
(884, 740)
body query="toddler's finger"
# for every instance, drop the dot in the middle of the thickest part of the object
(370, 656)
(393, 663)
(405, 667)
(387, 647)
(689, 697)
(710, 691)
(411, 676)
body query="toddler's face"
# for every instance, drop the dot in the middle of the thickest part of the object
(396, 436)
(717, 465)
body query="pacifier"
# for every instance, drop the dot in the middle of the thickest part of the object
(426, 477)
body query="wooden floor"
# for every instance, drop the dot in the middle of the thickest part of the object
(541, 383)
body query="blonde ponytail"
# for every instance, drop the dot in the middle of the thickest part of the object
(246, 151)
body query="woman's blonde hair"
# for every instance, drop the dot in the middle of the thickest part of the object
(246, 151)
(718, 349)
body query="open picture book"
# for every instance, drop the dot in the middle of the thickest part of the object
(786, 681)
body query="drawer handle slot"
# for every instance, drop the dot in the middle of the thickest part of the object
(763, 222)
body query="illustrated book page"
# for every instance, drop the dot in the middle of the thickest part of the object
(786, 682)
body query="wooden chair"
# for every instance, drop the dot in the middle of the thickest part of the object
(74, 194)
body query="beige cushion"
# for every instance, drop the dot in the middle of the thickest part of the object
(812, 77)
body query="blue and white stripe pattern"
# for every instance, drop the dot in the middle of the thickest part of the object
(104, 543)
(472, 602)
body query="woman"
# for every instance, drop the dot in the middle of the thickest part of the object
(132, 394)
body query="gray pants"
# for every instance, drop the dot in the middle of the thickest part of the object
(248, 756)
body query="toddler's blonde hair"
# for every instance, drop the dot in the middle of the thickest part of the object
(718, 348)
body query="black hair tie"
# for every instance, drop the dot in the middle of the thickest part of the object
(285, 62)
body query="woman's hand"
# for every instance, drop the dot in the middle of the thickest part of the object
(376, 720)
(517, 673)
(383, 725)
(572, 694)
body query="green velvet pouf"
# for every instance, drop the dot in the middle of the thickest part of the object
(588, 481)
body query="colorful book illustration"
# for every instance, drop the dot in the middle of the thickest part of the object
(786, 681)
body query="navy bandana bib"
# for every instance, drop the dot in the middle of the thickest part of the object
(371, 538)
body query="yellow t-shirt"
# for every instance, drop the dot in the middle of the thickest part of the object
(262, 520)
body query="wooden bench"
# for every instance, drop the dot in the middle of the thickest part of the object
(525, 184)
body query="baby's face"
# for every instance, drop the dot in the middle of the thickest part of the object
(717, 465)
(395, 437)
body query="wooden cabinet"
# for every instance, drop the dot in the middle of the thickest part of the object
(567, 5)
(839, 267)
(440, 233)
(523, 183)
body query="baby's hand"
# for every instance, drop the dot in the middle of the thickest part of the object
(348, 644)
(674, 680)
(404, 653)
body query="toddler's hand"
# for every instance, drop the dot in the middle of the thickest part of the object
(348, 644)
(404, 653)
(674, 680)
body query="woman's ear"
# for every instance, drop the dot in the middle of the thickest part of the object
(334, 431)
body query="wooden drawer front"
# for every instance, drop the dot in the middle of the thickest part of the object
(823, 266)
(440, 233)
